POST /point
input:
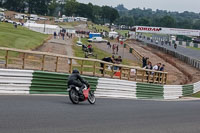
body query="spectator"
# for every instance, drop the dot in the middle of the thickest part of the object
(157, 67)
(55, 35)
(90, 48)
(113, 48)
(59, 34)
(162, 68)
(63, 35)
(109, 45)
(117, 49)
(118, 60)
(175, 46)
(149, 65)
(107, 59)
(144, 61)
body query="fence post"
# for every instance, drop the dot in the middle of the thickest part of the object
(112, 73)
(136, 74)
(94, 68)
(129, 74)
(121, 73)
(6, 58)
(165, 78)
(70, 66)
(23, 58)
(43, 60)
(162, 78)
(143, 75)
(57, 59)
(104, 68)
(158, 78)
(82, 67)
(154, 77)
(149, 76)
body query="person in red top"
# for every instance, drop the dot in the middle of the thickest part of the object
(90, 48)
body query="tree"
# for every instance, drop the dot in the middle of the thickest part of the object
(109, 13)
(70, 7)
(168, 21)
(15, 5)
(1, 3)
(196, 24)
(52, 8)
(144, 22)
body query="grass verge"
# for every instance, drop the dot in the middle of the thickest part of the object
(194, 48)
(122, 32)
(100, 53)
(197, 95)
(98, 28)
(20, 38)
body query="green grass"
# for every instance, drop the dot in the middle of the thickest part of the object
(100, 53)
(147, 34)
(196, 95)
(122, 32)
(70, 24)
(100, 28)
(20, 38)
(193, 48)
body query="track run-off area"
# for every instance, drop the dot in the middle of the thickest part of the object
(56, 114)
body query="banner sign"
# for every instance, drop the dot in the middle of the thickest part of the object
(169, 31)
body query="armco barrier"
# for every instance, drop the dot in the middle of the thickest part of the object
(189, 60)
(39, 82)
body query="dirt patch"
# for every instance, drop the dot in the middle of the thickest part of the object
(178, 71)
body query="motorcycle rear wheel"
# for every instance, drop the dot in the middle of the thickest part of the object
(74, 97)
(91, 97)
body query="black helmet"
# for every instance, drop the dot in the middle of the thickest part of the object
(75, 71)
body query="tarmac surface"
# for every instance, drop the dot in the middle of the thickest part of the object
(180, 49)
(56, 114)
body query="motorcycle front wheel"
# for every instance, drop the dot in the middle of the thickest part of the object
(73, 95)
(91, 97)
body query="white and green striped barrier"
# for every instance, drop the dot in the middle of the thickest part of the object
(38, 82)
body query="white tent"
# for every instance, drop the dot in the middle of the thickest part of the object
(43, 28)
(113, 34)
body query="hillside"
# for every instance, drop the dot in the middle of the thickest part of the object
(21, 37)
(160, 18)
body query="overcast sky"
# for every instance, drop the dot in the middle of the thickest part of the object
(170, 5)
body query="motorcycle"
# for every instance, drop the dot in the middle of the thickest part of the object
(76, 97)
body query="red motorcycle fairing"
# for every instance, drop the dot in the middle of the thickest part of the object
(86, 93)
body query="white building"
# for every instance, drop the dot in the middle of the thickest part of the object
(21, 16)
(61, 1)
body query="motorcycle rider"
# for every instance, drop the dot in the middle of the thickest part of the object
(76, 80)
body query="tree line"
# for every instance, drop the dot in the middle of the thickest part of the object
(97, 14)
(105, 14)
(160, 18)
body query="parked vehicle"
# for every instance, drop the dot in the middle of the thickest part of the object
(76, 97)
(97, 40)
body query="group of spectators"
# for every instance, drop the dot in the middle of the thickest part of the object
(62, 34)
(146, 63)
(115, 48)
(113, 60)
(82, 32)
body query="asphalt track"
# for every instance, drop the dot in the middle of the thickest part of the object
(56, 114)
(182, 50)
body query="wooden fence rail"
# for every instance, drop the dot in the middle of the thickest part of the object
(24, 59)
